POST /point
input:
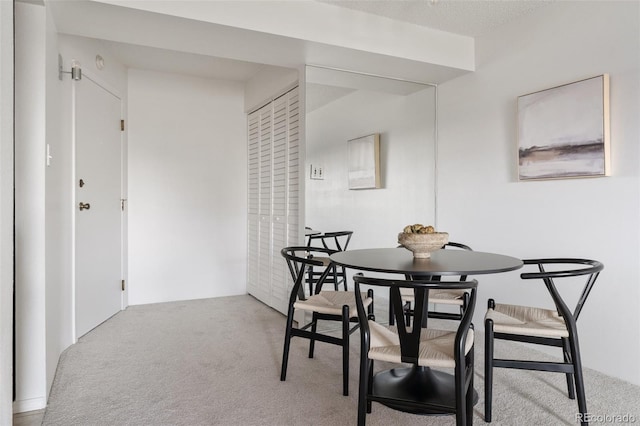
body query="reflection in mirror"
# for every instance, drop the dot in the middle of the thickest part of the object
(341, 106)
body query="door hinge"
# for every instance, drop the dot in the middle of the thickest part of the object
(122, 285)
(122, 125)
(122, 200)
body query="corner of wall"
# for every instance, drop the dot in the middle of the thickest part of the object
(6, 207)
(268, 84)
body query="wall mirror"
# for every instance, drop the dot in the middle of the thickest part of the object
(343, 106)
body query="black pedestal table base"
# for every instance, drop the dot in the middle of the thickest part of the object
(417, 384)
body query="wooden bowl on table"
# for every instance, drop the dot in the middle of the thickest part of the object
(422, 245)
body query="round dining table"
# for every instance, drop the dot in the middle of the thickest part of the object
(422, 384)
(442, 262)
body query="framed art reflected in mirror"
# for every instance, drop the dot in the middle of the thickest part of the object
(364, 162)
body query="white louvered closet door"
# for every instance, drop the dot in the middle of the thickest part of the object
(273, 197)
(253, 202)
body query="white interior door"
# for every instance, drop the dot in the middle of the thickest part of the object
(98, 213)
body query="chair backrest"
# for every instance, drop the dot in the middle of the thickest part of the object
(458, 246)
(338, 241)
(298, 259)
(564, 268)
(410, 339)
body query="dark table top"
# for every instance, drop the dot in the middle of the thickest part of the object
(442, 262)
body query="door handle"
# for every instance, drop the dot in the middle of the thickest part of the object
(84, 206)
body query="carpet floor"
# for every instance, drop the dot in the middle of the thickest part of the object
(217, 362)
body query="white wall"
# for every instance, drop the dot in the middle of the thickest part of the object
(481, 200)
(406, 127)
(187, 188)
(58, 208)
(58, 197)
(6, 209)
(38, 297)
(30, 133)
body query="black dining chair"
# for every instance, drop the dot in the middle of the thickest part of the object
(308, 232)
(421, 346)
(333, 305)
(445, 297)
(549, 327)
(336, 241)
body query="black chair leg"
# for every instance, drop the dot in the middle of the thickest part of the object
(469, 390)
(287, 342)
(577, 370)
(488, 368)
(345, 350)
(566, 351)
(460, 394)
(363, 386)
(312, 341)
(370, 387)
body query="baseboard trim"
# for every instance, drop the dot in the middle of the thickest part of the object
(31, 404)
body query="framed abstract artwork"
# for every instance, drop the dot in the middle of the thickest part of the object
(563, 132)
(364, 162)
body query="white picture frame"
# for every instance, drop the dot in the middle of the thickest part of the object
(364, 162)
(563, 132)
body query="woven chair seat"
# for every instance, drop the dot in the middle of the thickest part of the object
(528, 321)
(331, 302)
(325, 260)
(436, 346)
(444, 297)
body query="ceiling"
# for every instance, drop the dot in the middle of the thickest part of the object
(466, 17)
(327, 85)
(172, 61)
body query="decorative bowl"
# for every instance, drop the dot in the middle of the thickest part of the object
(422, 245)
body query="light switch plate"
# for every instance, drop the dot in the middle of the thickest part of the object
(317, 171)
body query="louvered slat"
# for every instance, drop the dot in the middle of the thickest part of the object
(253, 249)
(293, 163)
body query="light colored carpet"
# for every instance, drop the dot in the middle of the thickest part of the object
(217, 362)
